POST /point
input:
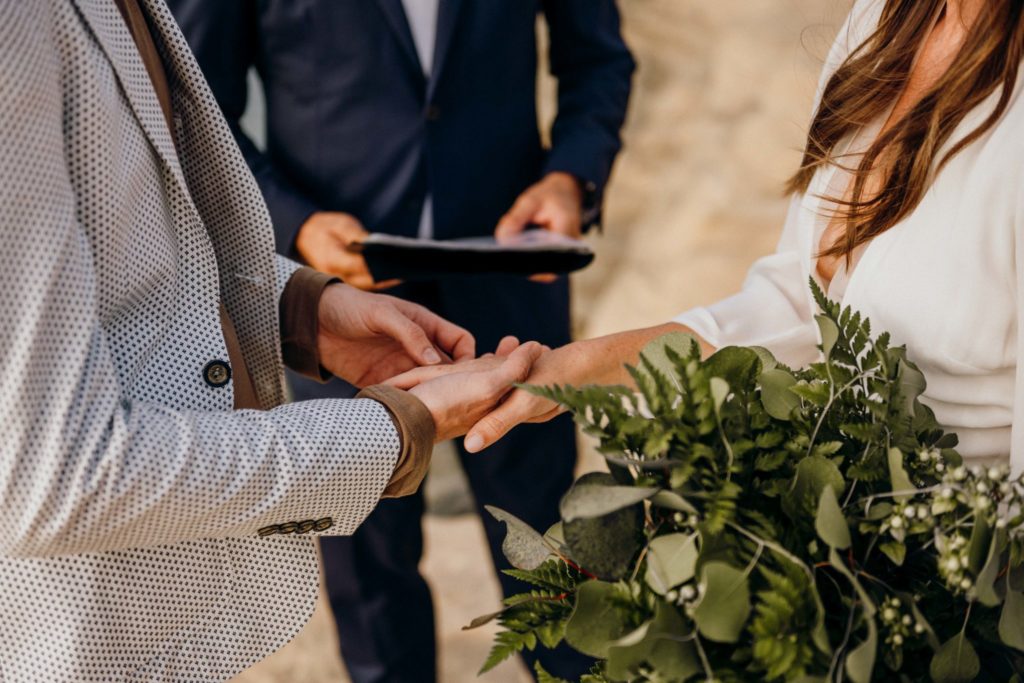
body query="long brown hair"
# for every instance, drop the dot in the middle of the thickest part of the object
(872, 78)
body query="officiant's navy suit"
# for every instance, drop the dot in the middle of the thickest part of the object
(353, 125)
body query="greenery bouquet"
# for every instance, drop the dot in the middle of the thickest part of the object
(760, 523)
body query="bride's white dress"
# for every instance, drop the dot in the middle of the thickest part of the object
(946, 281)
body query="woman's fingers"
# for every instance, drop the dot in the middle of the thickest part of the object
(519, 408)
(506, 346)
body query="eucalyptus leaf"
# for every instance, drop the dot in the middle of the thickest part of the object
(829, 332)
(523, 547)
(672, 501)
(719, 391)
(984, 589)
(830, 522)
(671, 560)
(736, 365)
(813, 474)
(860, 663)
(1011, 620)
(895, 551)
(605, 545)
(955, 662)
(724, 604)
(596, 622)
(587, 499)
(776, 397)
(979, 544)
(657, 643)
(898, 475)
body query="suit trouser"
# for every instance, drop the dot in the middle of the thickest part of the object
(382, 605)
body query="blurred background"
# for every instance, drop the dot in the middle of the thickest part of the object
(721, 98)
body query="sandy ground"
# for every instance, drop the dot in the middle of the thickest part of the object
(721, 99)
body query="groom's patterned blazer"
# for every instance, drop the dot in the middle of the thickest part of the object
(117, 249)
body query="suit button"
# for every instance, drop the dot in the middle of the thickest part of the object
(217, 373)
(305, 527)
(433, 112)
(267, 530)
(287, 528)
(323, 524)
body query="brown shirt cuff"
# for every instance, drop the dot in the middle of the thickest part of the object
(417, 430)
(300, 322)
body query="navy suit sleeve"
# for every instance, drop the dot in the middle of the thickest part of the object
(594, 70)
(224, 36)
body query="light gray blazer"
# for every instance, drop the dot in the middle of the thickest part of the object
(116, 457)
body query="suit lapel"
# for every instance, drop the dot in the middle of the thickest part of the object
(394, 15)
(222, 196)
(447, 18)
(108, 27)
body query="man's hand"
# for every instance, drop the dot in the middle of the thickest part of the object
(368, 338)
(555, 203)
(323, 242)
(459, 399)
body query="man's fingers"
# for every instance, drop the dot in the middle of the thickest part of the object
(456, 341)
(519, 363)
(394, 323)
(506, 346)
(518, 217)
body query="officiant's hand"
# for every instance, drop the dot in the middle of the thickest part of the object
(323, 242)
(463, 394)
(368, 338)
(555, 203)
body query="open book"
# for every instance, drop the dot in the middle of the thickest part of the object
(528, 253)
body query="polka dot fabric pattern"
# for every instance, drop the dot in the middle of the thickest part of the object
(131, 494)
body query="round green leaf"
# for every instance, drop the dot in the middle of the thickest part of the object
(777, 399)
(1011, 620)
(523, 547)
(955, 662)
(596, 623)
(671, 560)
(725, 602)
(860, 663)
(813, 474)
(830, 522)
(606, 545)
(588, 498)
(829, 334)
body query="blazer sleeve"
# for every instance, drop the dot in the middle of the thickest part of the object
(594, 69)
(224, 36)
(83, 467)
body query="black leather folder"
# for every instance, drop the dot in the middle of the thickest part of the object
(530, 253)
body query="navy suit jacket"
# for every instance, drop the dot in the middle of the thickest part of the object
(353, 125)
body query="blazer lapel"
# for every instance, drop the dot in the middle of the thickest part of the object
(107, 25)
(394, 14)
(447, 18)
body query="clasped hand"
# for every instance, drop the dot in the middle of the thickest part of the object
(370, 338)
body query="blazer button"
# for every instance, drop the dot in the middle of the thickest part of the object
(287, 528)
(217, 373)
(323, 524)
(305, 526)
(267, 530)
(433, 112)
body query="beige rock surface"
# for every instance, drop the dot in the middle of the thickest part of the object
(721, 98)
